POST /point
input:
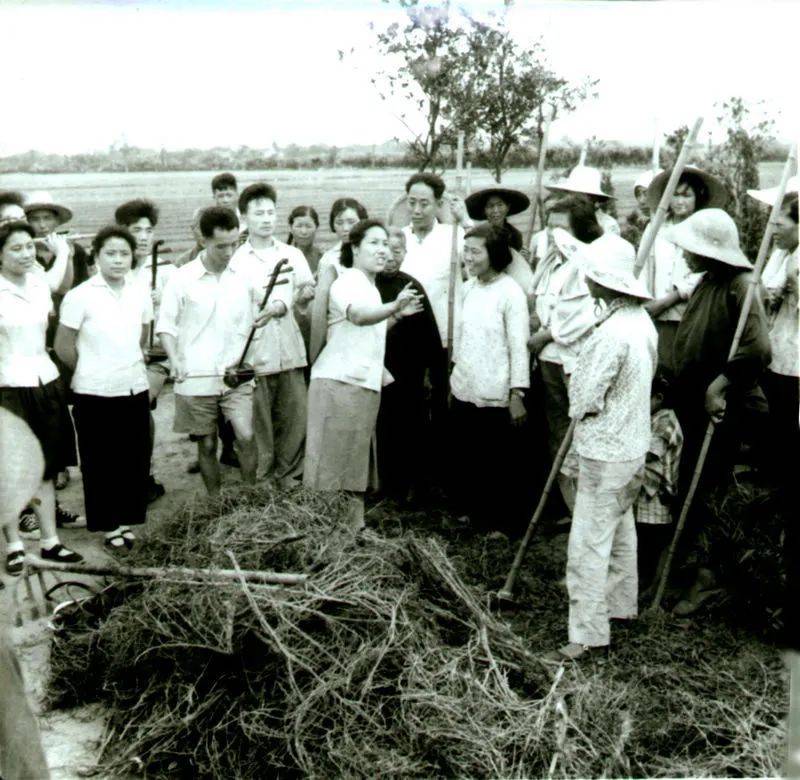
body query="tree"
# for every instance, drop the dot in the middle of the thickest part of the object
(424, 60)
(460, 74)
(510, 91)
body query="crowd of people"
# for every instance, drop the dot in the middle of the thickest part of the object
(371, 366)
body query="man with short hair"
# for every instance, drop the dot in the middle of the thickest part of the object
(280, 357)
(429, 247)
(225, 190)
(140, 217)
(208, 308)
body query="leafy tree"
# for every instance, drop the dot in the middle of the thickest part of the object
(462, 74)
(510, 91)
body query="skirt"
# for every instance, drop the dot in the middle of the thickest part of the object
(340, 439)
(44, 408)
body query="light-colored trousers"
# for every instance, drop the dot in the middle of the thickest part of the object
(601, 555)
(279, 413)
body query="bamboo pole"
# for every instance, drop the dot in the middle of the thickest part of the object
(655, 162)
(454, 269)
(537, 192)
(35, 563)
(507, 591)
(658, 218)
(755, 277)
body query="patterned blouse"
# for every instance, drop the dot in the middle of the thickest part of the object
(609, 392)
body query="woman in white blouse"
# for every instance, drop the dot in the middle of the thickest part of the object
(345, 214)
(346, 379)
(30, 386)
(491, 372)
(103, 329)
(666, 274)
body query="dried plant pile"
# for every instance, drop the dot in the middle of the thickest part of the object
(386, 664)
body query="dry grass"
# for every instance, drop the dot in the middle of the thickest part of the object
(391, 664)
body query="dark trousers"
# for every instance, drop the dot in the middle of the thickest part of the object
(483, 456)
(784, 471)
(651, 541)
(114, 445)
(745, 420)
(402, 436)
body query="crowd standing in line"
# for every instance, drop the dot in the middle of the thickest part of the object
(346, 378)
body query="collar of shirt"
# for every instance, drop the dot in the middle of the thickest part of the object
(34, 281)
(410, 234)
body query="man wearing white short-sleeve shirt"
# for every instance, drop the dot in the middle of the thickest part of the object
(207, 310)
(280, 395)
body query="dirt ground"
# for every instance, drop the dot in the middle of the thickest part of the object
(71, 738)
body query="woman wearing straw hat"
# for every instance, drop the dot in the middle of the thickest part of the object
(495, 205)
(563, 315)
(609, 396)
(707, 383)
(666, 274)
(587, 181)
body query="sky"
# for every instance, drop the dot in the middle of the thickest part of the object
(79, 76)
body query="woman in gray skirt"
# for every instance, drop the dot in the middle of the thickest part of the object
(346, 379)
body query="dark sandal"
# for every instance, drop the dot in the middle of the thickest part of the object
(15, 562)
(61, 554)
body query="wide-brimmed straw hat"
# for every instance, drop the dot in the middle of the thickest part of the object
(609, 262)
(718, 195)
(769, 195)
(645, 179)
(516, 201)
(583, 179)
(710, 233)
(37, 201)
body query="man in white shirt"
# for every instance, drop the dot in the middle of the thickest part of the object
(429, 250)
(279, 358)
(207, 310)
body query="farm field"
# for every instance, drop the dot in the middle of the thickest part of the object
(94, 196)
